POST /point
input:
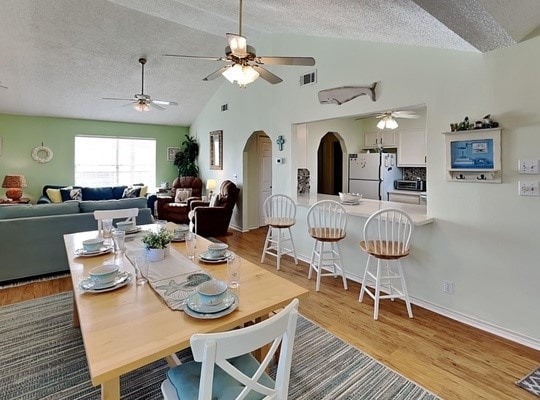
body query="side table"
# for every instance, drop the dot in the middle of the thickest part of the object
(22, 200)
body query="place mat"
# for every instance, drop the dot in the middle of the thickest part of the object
(531, 382)
(174, 278)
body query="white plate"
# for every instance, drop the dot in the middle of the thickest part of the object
(178, 239)
(122, 279)
(206, 257)
(134, 230)
(194, 303)
(93, 253)
(215, 315)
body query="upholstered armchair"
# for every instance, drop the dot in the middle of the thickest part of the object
(175, 208)
(214, 221)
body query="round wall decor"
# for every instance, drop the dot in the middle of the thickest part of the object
(42, 154)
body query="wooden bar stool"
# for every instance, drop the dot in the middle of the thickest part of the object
(280, 215)
(327, 220)
(387, 235)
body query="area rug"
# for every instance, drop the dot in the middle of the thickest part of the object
(43, 357)
(531, 382)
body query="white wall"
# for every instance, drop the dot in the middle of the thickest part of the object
(485, 238)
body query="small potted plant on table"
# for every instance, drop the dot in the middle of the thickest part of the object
(156, 244)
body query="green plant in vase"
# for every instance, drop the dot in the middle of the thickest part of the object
(158, 240)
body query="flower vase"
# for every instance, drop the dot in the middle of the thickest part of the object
(154, 255)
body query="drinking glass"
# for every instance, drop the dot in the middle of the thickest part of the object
(106, 226)
(234, 263)
(140, 263)
(191, 244)
(119, 240)
(161, 224)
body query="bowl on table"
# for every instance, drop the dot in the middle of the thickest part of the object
(217, 250)
(350, 197)
(212, 292)
(103, 274)
(125, 225)
(92, 244)
(180, 232)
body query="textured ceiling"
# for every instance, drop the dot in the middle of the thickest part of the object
(60, 57)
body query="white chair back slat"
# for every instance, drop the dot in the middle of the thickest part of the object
(389, 231)
(130, 214)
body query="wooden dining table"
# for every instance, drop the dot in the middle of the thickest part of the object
(132, 326)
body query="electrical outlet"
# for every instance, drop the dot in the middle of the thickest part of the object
(448, 287)
(528, 166)
(528, 188)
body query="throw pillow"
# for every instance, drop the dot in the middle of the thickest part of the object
(54, 195)
(131, 192)
(182, 195)
(144, 190)
(69, 193)
(214, 201)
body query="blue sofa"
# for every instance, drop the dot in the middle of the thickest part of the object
(31, 236)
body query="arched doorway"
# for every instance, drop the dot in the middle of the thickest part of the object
(330, 165)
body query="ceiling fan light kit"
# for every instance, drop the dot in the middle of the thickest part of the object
(240, 74)
(387, 122)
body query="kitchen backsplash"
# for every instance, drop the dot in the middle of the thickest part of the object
(414, 173)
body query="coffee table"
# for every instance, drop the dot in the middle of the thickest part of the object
(130, 327)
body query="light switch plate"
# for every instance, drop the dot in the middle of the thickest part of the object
(528, 188)
(528, 166)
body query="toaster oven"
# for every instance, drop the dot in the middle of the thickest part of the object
(417, 185)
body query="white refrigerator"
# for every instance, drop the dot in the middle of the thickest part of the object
(373, 174)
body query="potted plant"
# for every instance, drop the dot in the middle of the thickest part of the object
(156, 244)
(185, 159)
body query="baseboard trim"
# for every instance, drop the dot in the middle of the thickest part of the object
(463, 318)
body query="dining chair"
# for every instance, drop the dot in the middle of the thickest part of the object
(327, 221)
(130, 214)
(224, 367)
(279, 214)
(387, 236)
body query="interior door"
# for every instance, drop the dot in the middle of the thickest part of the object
(264, 149)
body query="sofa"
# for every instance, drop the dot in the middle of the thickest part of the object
(213, 220)
(175, 208)
(32, 241)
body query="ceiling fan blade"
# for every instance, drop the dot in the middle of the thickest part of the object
(165, 103)
(116, 98)
(267, 75)
(308, 61)
(156, 106)
(4, 87)
(129, 104)
(405, 114)
(196, 57)
(238, 45)
(217, 73)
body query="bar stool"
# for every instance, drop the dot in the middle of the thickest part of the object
(327, 221)
(387, 235)
(279, 215)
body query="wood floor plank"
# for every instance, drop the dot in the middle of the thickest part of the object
(453, 360)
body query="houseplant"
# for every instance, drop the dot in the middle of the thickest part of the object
(185, 159)
(156, 244)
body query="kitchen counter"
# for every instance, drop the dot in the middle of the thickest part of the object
(418, 213)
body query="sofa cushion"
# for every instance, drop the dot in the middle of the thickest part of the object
(182, 195)
(131, 192)
(54, 195)
(118, 192)
(97, 193)
(21, 211)
(91, 206)
(70, 193)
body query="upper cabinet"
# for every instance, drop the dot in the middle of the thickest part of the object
(412, 150)
(380, 139)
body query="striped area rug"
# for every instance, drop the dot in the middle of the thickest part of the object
(42, 357)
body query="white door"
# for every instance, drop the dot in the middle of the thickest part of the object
(368, 189)
(264, 146)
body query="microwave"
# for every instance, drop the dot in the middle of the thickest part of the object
(417, 185)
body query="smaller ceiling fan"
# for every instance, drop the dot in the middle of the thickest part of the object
(142, 102)
(388, 118)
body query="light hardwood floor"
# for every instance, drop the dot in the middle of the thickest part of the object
(452, 360)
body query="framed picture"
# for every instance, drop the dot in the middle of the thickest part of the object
(216, 150)
(171, 152)
(0, 145)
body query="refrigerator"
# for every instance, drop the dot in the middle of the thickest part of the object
(373, 174)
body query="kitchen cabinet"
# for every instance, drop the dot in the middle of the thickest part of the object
(412, 150)
(380, 139)
(403, 196)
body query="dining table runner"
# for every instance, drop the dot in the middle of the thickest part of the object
(174, 278)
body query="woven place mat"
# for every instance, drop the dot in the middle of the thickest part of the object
(531, 382)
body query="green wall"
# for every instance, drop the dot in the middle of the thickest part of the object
(20, 134)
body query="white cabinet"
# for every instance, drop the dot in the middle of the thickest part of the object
(412, 151)
(405, 197)
(380, 139)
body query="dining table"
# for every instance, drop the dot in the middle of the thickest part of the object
(133, 325)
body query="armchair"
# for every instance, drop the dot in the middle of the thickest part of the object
(169, 209)
(214, 221)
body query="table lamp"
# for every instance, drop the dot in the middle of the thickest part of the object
(13, 184)
(210, 186)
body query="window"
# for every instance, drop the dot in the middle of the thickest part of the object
(110, 161)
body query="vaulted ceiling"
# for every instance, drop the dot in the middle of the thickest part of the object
(61, 57)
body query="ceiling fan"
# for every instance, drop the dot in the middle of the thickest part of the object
(388, 118)
(3, 87)
(142, 102)
(243, 64)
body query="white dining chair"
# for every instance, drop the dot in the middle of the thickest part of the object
(387, 237)
(130, 214)
(239, 373)
(279, 214)
(327, 223)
